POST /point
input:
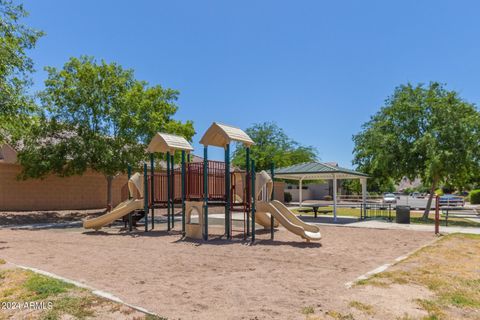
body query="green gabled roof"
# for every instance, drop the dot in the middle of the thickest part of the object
(317, 168)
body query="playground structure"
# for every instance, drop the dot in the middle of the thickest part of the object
(241, 190)
(222, 136)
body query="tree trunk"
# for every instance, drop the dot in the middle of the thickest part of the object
(109, 192)
(430, 198)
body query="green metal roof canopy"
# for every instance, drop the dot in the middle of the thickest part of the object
(317, 171)
(322, 171)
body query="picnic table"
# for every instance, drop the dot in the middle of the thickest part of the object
(315, 207)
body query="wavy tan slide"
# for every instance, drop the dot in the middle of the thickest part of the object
(311, 230)
(122, 209)
(289, 220)
(282, 215)
(263, 219)
(264, 185)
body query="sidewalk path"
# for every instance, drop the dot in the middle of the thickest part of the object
(376, 224)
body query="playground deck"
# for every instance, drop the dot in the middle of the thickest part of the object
(218, 279)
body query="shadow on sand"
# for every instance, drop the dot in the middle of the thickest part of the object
(213, 239)
(117, 230)
(45, 217)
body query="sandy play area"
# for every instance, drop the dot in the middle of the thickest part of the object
(218, 279)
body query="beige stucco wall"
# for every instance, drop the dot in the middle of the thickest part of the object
(279, 189)
(8, 154)
(88, 191)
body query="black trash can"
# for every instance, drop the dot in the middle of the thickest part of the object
(403, 214)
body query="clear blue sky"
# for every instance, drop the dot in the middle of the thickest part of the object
(318, 69)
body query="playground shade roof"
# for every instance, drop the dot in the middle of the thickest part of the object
(220, 135)
(316, 171)
(163, 142)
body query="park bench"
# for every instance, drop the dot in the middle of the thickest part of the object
(325, 211)
(316, 209)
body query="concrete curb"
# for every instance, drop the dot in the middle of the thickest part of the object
(99, 293)
(384, 267)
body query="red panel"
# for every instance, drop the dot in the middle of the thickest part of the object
(193, 185)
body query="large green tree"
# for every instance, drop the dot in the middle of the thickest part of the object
(16, 107)
(422, 131)
(97, 116)
(272, 145)
(376, 185)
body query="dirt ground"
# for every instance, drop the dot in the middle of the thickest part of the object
(218, 279)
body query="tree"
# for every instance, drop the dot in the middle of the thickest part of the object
(422, 131)
(375, 185)
(16, 107)
(272, 145)
(97, 116)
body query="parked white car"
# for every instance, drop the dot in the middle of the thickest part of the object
(389, 198)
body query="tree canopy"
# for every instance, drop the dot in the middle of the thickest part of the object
(97, 116)
(422, 131)
(272, 145)
(375, 185)
(16, 107)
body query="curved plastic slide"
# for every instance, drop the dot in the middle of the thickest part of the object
(263, 219)
(289, 220)
(121, 210)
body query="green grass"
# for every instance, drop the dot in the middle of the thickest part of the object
(340, 316)
(366, 308)
(44, 287)
(78, 307)
(308, 310)
(452, 221)
(433, 308)
(152, 317)
(2, 261)
(415, 217)
(448, 268)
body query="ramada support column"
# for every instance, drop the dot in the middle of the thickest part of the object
(363, 182)
(334, 197)
(300, 191)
